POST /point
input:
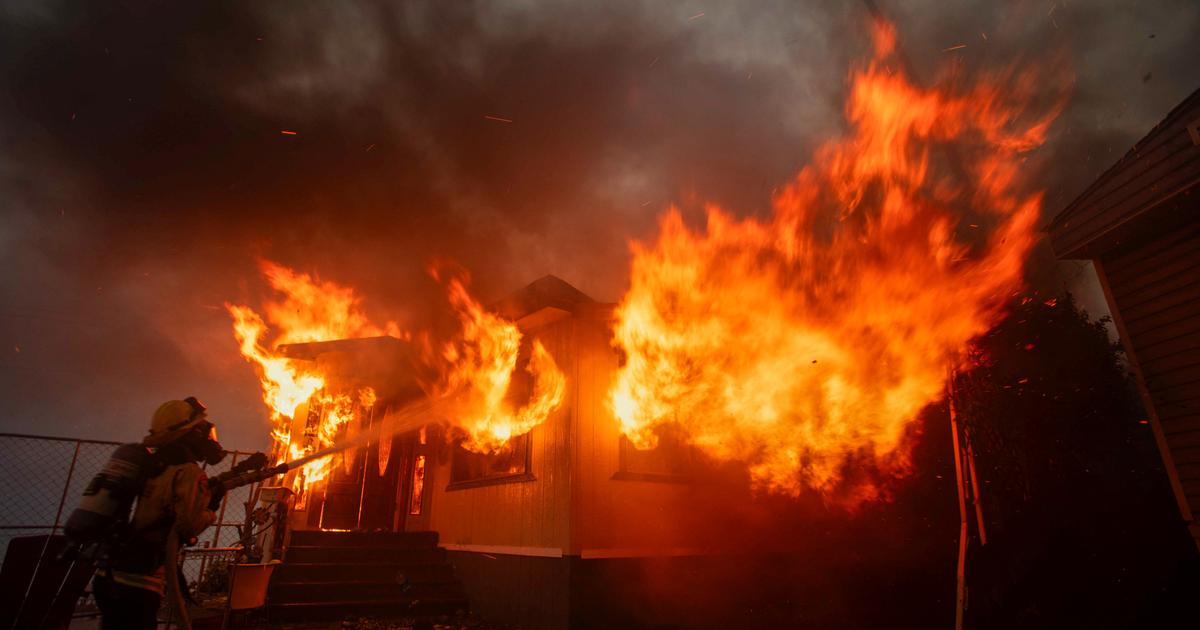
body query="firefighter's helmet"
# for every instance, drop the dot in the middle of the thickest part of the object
(173, 419)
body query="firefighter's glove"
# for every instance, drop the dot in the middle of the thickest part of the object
(257, 461)
(218, 493)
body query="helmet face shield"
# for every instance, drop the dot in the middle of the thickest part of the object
(197, 406)
(206, 444)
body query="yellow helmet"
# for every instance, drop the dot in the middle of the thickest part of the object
(173, 419)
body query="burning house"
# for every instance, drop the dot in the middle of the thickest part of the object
(554, 445)
(514, 523)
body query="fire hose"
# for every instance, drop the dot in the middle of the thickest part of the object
(240, 476)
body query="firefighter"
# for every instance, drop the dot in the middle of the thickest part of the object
(172, 509)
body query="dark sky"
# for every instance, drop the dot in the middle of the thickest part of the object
(143, 171)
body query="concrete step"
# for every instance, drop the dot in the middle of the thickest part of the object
(420, 607)
(357, 591)
(362, 555)
(334, 575)
(438, 571)
(378, 540)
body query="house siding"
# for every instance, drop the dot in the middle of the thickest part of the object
(1154, 292)
(524, 517)
(1159, 168)
(1140, 224)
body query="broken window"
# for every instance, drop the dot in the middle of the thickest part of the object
(509, 463)
(672, 460)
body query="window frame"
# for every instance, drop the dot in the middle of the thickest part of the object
(495, 479)
(690, 463)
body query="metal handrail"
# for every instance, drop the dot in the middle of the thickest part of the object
(191, 550)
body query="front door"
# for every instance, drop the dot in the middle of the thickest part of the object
(361, 489)
(411, 513)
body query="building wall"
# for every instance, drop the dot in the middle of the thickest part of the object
(573, 547)
(620, 517)
(1154, 291)
(530, 592)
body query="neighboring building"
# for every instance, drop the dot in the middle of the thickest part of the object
(1139, 223)
(554, 525)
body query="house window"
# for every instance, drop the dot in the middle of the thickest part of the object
(673, 460)
(507, 465)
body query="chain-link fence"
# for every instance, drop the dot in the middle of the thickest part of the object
(42, 479)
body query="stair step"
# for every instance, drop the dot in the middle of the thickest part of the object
(357, 591)
(334, 575)
(362, 555)
(363, 572)
(397, 540)
(406, 607)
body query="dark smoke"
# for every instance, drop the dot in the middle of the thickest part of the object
(144, 170)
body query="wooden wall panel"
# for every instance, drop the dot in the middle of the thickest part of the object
(529, 592)
(1152, 290)
(1163, 165)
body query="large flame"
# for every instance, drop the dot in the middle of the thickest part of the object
(806, 342)
(307, 310)
(477, 372)
(475, 369)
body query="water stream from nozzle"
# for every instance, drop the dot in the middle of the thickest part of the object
(408, 418)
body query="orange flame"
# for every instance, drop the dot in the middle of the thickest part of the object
(476, 368)
(807, 342)
(309, 310)
(285, 387)
(480, 364)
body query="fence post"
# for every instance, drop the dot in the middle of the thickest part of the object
(66, 488)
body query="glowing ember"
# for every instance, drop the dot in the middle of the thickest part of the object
(477, 370)
(309, 310)
(806, 343)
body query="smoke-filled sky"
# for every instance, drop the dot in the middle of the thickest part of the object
(144, 170)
